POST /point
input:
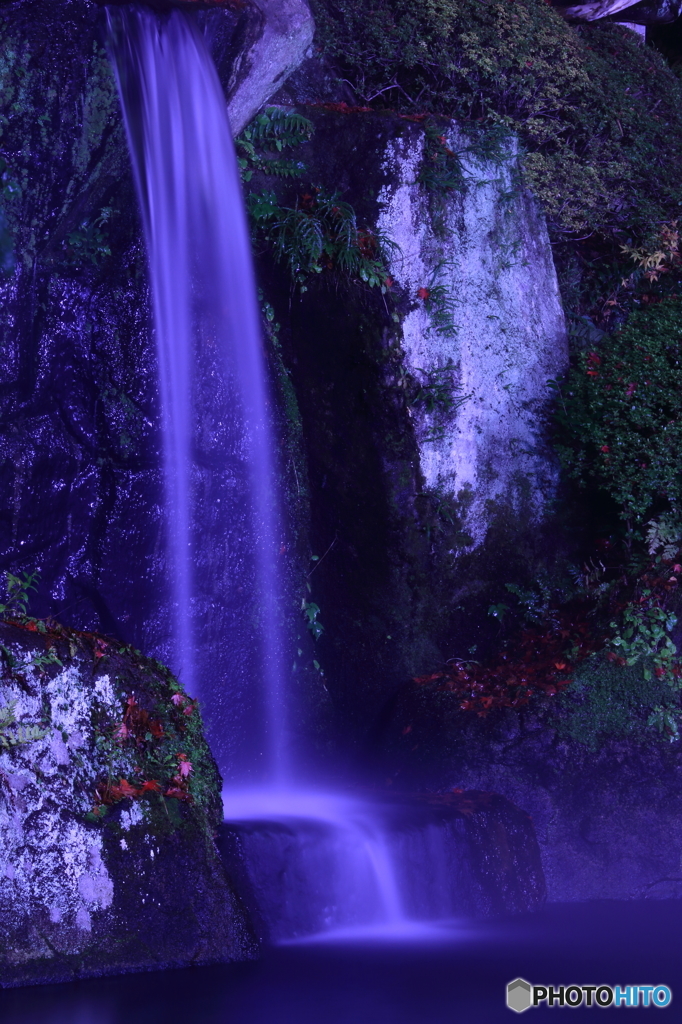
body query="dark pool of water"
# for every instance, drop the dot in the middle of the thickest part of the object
(458, 980)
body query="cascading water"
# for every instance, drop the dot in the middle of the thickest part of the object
(212, 386)
(318, 861)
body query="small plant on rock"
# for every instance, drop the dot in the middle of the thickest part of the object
(18, 587)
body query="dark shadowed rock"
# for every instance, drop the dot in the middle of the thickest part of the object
(607, 810)
(502, 850)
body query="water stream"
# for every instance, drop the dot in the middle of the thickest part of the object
(220, 500)
(317, 862)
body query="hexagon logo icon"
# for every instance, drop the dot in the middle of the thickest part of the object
(518, 995)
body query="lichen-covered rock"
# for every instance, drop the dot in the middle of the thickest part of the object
(109, 802)
(485, 315)
(421, 408)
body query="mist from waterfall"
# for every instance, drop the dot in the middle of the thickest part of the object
(221, 512)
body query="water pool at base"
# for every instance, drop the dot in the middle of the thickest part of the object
(455, 975)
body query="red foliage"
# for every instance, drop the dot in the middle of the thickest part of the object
(184, 704)
(342, 108)
(111, 792)
(108, 793)
(178, 788)
(137, 724)
(537, 665)
(151, 786)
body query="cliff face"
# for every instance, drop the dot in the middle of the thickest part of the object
(78, 406)
(421, 409)
(409, 422)
(406, 491)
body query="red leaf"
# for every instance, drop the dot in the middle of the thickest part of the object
(125, 788)
(151, 786)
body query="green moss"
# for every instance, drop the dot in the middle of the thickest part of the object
(99, 104)
(607, 699)
(599, 114)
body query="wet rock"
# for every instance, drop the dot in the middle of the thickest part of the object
(501, 848)
(168, 5)
(107, 854)
(269, 58)
(635, 12)
(81, 466)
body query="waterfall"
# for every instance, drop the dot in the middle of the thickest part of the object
(222, 544)
(319, 861)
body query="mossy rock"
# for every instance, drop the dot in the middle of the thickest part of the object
(599, 114)
(109, 804)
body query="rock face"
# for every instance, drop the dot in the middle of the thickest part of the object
(264, 64)
(490, 310)
(608, 816)
(107, 855)
(80, 450)
(419, 409)
(500, 847)
(608, 822)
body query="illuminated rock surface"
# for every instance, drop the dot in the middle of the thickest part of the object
(94, 880)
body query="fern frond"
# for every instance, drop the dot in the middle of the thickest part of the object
(8, 714)
(22, 734)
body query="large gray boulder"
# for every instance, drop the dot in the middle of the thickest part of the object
(479, 273)
(107, 854)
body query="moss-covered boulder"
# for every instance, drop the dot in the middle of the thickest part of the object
(109, 802)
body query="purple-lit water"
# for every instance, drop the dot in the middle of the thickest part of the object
(220, 501)
(459, 977)
(340, 867)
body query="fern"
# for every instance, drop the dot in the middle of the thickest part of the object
(8, 715)
(319, 233)
(435, 390)
(439, 303)
(664, 537)
(22, 734)
(273, 131)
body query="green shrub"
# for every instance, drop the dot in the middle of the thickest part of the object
(600, 115)
(619, 414)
